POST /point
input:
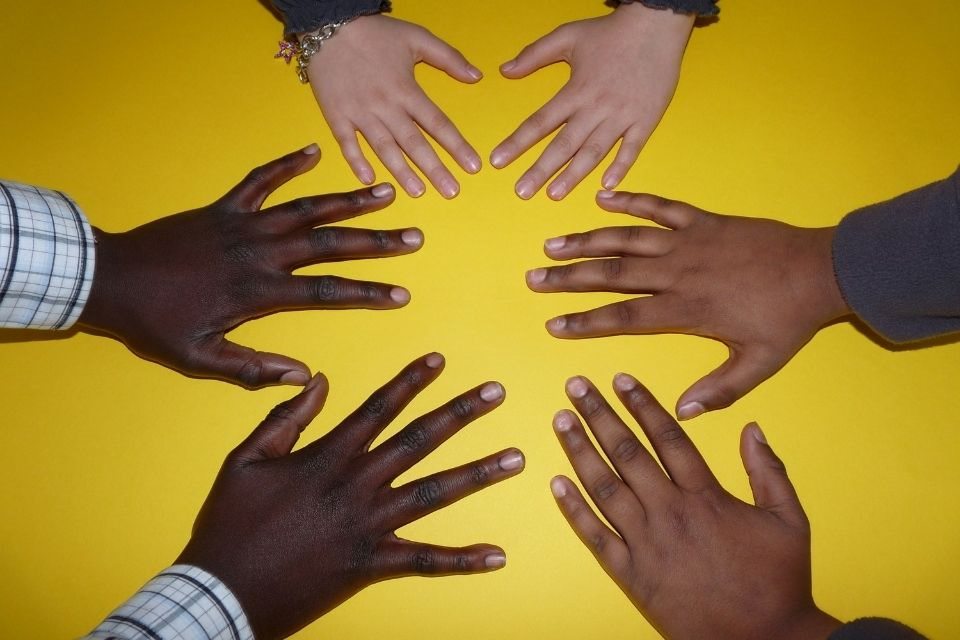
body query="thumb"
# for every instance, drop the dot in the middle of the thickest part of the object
(441, 55)
(772, 489)
(280, 430)
(551, 48)
(726, 384)
(224, 360)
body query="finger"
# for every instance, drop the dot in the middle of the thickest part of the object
(219, 358)
(535, 128)
(743, 370)
(361, 427)
(257, 186)
(440, 55)
(333, 244)
(651, 314)
(630, 147)
(772, 489)
(551, 48)
(346, 136)
(385, 146)
(594, 149)
(563, 146)
(645, 242)
(605, 545)
(311, 211)
(666, 213)
(620, 275)
(422, 497)
(280, 430)
(622, 447)
(411, 140)
(297, 293)
(415, 441)
(673, 446)
(404, 558)
(435, 122)
(615, 500)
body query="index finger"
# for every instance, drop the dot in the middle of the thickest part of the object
(311, 211)
(250, 194)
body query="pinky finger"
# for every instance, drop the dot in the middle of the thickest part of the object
(405, 558)
(606, 546)
(346, 137)
(627, 155)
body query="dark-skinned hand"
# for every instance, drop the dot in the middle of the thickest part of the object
(172, 288)
(696, 561)
(295, 534)
(761, 287)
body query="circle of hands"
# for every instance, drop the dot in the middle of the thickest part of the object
(676, 540)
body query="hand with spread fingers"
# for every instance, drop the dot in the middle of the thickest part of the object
(696, 561)
(624, 69)
(762, 287)
(363, 79)
(171, 289)
(293, 534)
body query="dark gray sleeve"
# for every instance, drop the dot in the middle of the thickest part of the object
(695, 7)
(898, 263)
(300, 16)
(875, 629)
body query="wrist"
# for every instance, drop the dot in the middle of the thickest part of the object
(660, 20)
(830, 300)
(105, 288)
(811, 624)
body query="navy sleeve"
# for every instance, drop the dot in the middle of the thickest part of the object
(875, 629)
(300, 16)
(898, 263)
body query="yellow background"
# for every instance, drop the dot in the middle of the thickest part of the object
(799, 111)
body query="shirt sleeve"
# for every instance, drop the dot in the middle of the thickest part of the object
(898, 263)
(703, 8)
(47, 258)
(301, 16)
(875, 629)
(181, 603)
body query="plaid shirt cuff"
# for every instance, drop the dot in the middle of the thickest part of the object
(46, 258)
(181, 603)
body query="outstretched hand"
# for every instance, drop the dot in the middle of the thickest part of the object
(295, 534)
(624, 69)
(171, 289)
(696, 561)
(762, 287)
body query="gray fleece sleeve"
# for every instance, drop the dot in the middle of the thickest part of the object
(898, 263)
(300, 16)
(702, 8)
(875, 629)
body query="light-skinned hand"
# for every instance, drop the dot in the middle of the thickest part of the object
(624, 69)
(696, 561)
(761, 287)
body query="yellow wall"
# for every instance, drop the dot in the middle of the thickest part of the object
(799, 111)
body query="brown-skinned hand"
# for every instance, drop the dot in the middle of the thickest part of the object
(696, 561)
(761, 287)
(295, 534)
(171, 289)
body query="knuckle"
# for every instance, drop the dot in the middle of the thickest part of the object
(605, 487)
(258, 176)
(361, 554)
(625, 314)
(590, 406)
(461, 562)
(480, 474)
(382, 143)
(669, 434)
(413, 438)
(374, 407)
(282, 412)
(368, 292)
(249, 372)
(423, 561)
(612, 270)
(627, 449)
(327, 288)
(677, 520)
(598, 541)
(325, 240)
(593, 152)
(633, 235)
(561, 273)
(461, 407)
(412, 140)
(428, 493)
(537, 121)
(413, 377)
(564, 144)
(303, 207)
(380, 240)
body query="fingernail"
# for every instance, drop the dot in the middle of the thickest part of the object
(365, 175)
(525, 189)
(609, 182)
(690, 410)
(412, 237)
(498, 159)
(553, 244)
(508, 65)
(624, 382)
(311, 149)
(314, 381)
(382, 190)
(473, 164)
(605, 195)
(562, 421)
(415, 188)
(449, 188)
(298, 378)
(557, 324)
(434, 360)
(400, 295)
(757, 433)
(474, 73)
(511, 461)
(577, 387)
(558, 487)
(495, 561)
(536, 276)
(491, 392)
(557, 190)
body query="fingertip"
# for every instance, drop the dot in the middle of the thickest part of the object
(496, 560)
(412, 238)
(295, 378)
(512, 461)
(535, 277)
(508, 66)
(492, 392)
(499, 159)
(556, 326)
(559, 486)
(474, 74)
(383, 190)
(434, 360)
(563, 420)
(317, 381)
(624, 382)
(610, 181)
(605, 195)
(312, 149)
(400, 296)
(690, 410)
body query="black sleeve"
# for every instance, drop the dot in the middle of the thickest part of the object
(898, 263)
(300, 16)
(875, 629)
(703, 8)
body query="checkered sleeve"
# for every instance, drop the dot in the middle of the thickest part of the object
(181, 603)
(46, 258)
